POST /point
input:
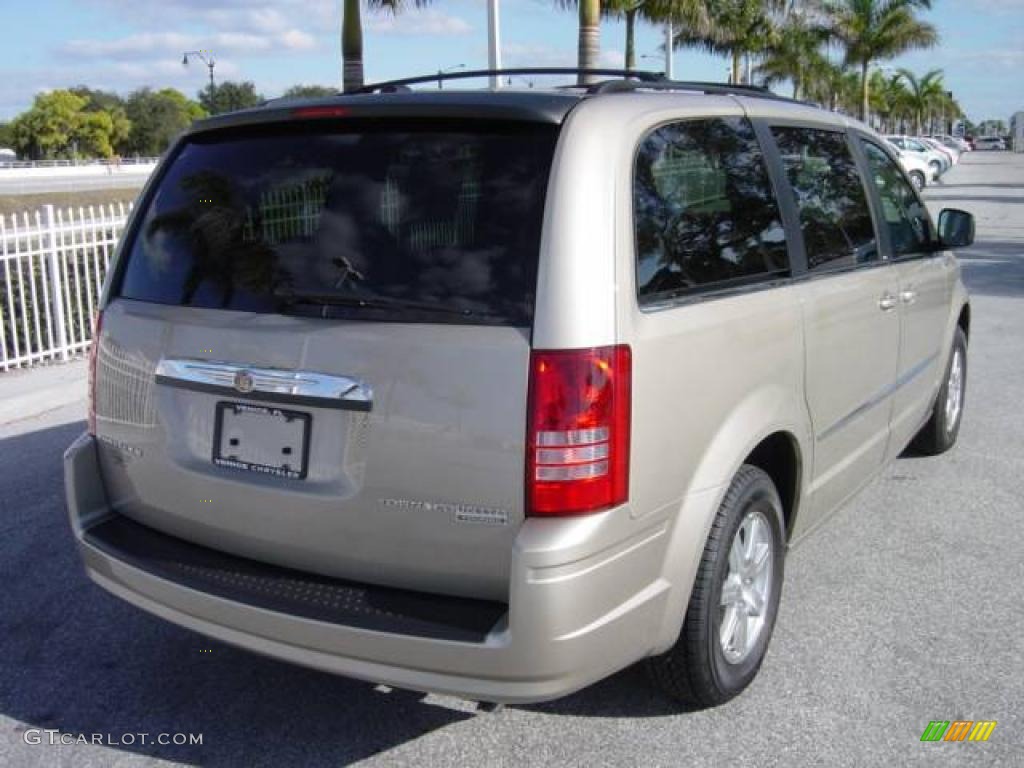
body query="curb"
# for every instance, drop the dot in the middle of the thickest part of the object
(33, 392)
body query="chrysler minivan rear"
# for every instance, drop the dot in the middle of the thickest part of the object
(319, 422)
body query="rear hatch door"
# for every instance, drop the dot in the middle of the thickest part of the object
(317, 345)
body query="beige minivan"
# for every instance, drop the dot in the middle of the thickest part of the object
(494, 393)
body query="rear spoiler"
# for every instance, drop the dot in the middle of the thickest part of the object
(550, 108)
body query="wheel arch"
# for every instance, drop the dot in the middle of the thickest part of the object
(781, 446)
(779, 456)
(963, 321)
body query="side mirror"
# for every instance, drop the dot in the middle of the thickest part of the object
(956, 228)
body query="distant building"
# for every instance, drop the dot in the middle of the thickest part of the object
(1017, 132)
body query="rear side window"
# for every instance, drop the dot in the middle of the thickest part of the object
(834, 215)
(403, 222)
(705, 213)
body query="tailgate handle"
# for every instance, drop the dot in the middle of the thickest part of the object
(318, 390)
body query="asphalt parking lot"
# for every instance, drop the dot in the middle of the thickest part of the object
(908, 607)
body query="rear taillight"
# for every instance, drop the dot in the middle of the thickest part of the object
(578, 431)
(96, 327)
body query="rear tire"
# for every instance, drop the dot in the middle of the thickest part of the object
(940, 432)
(735, 598)
(918, 180)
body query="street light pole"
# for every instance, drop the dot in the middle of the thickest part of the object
(440, 72)
(209, 62)
(494, 41)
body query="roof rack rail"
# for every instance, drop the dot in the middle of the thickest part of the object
(724, 89)
(626, 80)
(394, 86)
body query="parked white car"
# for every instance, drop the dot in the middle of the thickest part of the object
(939, 162)
(989, 143)
(951, 153)
(917, 168)
(954, 142)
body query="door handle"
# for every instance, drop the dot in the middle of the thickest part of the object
(887, 303)
(908, 296)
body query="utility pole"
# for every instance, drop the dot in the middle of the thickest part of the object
(494, 41)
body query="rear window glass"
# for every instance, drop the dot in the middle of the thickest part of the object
(391, 222)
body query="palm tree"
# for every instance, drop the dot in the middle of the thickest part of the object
(890, 100)
(877, 30)
(352, 36)
(794, 54)
(690, 12)
(923, 94)
(590, 36)
(735, 28)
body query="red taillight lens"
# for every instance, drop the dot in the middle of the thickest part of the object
(578, 431)
(93, 351)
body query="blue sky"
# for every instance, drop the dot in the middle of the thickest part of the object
(123, 44)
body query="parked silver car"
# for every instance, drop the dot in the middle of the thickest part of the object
(495, 393)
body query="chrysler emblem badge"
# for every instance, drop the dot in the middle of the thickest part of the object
(244, 382)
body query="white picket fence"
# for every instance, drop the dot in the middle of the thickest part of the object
(52, 266)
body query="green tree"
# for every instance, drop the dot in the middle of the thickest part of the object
(46, 130)
(735, 28)
(690, 12)
(6, 135)
(794, 54)
(157, 117)
(923, 94)
(309, 92)
(228, 97)
(589, 43)
(876, 30)
(352, 36)
(94, 135)
(99, 101)
(890, 101)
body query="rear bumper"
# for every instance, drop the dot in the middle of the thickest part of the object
(586, 598)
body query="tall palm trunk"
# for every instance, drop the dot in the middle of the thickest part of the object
(737, 61)
(590, 36)
(352, 46)
(865, 91)
(631, 37)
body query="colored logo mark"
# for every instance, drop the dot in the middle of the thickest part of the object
(958, 730)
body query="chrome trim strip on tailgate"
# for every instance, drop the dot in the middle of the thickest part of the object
(319, 390)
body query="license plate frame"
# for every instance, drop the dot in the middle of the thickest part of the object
(237, 413)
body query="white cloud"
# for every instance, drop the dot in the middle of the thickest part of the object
(147, 45)
(429, 22)
(540, 55)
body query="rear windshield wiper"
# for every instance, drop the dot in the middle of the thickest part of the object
(289, 299)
